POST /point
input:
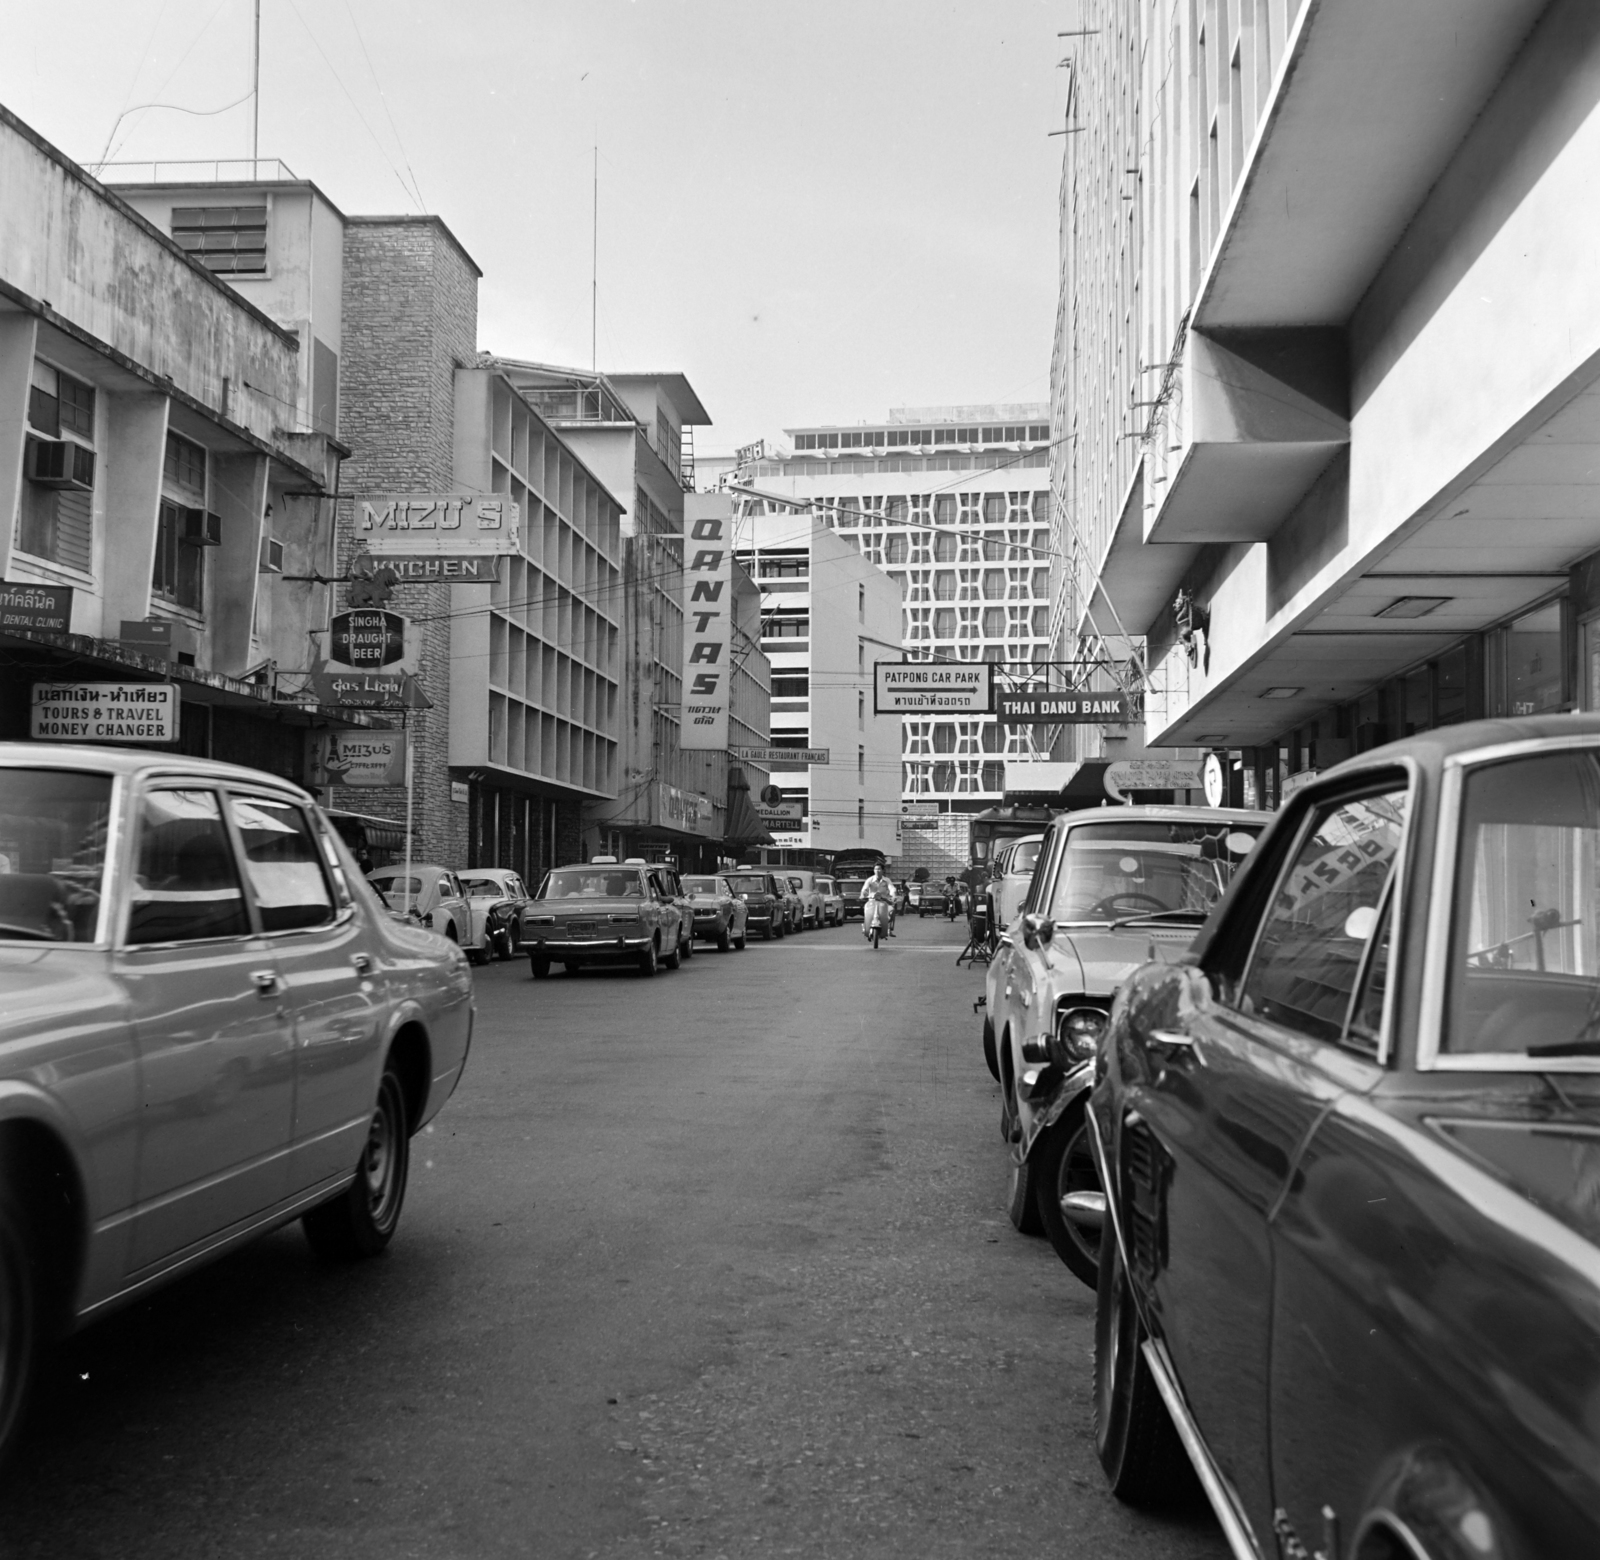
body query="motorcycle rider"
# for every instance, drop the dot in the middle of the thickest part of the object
(879, 889)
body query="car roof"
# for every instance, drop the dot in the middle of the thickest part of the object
(134, 762)
(1158, 814)
(400, 870)
(1431, 748)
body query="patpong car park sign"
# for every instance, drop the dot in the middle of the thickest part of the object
(923, 687)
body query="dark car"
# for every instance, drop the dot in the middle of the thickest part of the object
(605, 912)
(764, 902)
(1351, 1148)
(850, 891)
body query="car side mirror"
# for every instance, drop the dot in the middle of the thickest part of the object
(1037, 930)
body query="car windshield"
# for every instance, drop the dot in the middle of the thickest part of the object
(1114, 871)
(478, 886)
(53, 825)
(1024, 858)
(748, 883)
(591, 883)
(700, 885)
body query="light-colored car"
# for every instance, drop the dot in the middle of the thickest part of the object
(832, 901)
(605, 912)
(804, 883)
(718, 913)
(430, 895)
(496, 898)
(1013, 872)
(208, 1028)
(1112, 888)
(794, 910)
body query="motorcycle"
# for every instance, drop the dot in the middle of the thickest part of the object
(876, 917)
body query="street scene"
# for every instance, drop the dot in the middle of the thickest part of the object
(807, 781)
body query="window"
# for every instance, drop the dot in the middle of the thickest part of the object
(53, 827)
(785, 568)
(1524, 966)
(946, 548)
(229, 240)
(861, 766)
(184, 467)
(944, 623)
(283, 863)
(791, 685)
(179, 573)
(1315, 941)
(786, 627)
(861, 710)
(57, 523)
(186, 882)
(861, 603)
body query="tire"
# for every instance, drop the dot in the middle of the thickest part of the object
(1134, 1438)
(742, 939)
(767, 933)
(540, 968)
(361, 1220)
(990, 1056)
(21, 1329)
(670, 961)
(724, 941)
(647, 960)
(1022, 1202)
(779, 930)
(686, 947)
(1062, 1163)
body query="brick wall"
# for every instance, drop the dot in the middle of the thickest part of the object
(410, 307)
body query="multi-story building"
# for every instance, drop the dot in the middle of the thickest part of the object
(1324, 401)
(164, 486)
(952, 504)
(826, 615)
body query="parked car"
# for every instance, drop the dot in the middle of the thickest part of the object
(763, 900)
(917, 899)
(432, 896)
(208, 1028)
(1110, 890)
(1013, 868)
(1352, 1159)
(794, 910)
(804, 883)
(496, 897)
(832, 902)
(605, 912)
(850, 892)
(719, 914)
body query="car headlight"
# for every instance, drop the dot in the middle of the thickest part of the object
(1077, 1034)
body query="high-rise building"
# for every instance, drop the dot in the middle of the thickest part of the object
(952, 504)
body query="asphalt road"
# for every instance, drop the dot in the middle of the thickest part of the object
(714, 1264)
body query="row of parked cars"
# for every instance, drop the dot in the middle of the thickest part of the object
(1314, 1103)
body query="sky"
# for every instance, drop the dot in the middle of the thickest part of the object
(816, 211)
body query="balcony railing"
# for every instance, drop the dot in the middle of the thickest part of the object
(204, 170)
(577, 403)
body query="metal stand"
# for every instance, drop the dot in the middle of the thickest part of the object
(981, 945)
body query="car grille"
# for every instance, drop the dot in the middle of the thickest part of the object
(1142, 1161)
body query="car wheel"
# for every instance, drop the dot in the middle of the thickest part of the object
(687, 948)
(647, 960)
(724, 940)
(766, 932)
(362, 1219)
(1062, 1166)
(20, 1331)
(670, 961)
(739, 941)
(1022, 1202)
(989, 1055)
(1138, 1447)
(540, 968)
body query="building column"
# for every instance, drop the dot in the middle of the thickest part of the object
(135, 447)
(18, 333)
(239, 490)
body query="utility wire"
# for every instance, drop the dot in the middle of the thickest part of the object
(383, 98)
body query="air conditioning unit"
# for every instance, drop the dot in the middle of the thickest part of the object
(59, 463)
(201, 528)
(271, 556)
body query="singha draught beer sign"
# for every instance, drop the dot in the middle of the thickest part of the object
(707, 619)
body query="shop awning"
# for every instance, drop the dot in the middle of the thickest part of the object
(744, 827)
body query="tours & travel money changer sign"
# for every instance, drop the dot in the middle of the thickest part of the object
(105, 712)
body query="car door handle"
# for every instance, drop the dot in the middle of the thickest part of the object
(265, 982)
(362, 963)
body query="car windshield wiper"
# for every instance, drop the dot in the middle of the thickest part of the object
(1197, 916)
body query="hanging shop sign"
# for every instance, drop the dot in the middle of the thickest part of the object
(344, 688)
(104, 712)
(676, 809)
(1064, 709)
(771, 813)
(921, 687)
(707, 619)
(1152, 774)
(367, 639)
(1214, 780)
(440, 569)
(37, 608)
(358, 759)
(437, 525)
(766, 756)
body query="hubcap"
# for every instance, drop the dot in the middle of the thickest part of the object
(382, 1160)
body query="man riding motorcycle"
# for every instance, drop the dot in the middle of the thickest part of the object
(877, 895)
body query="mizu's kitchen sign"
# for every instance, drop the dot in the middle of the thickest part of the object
(418, 525)
(707, 619)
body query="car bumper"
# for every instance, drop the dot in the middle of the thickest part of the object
(570, 950)
(709, 926)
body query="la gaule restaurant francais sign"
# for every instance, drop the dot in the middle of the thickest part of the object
(105, 712)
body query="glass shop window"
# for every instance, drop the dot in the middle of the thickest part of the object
(1533, 661)
(1450, 687)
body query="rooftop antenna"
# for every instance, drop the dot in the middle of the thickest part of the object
(255, 98)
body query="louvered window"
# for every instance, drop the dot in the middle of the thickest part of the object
(57, 524)
(230, 240)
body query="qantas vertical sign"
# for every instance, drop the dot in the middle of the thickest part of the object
(707, 620)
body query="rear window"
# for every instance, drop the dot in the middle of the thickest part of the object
(748, 883)
(591, 883)
(700, 885)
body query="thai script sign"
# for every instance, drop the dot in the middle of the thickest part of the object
(912, 687)
(367, 639)
(358, 759)
(386, 690)
(1152, 774)
(707, 620)
(105, 712)
(419, 525)
(36, 607)
(1063, 709)
(676, 809)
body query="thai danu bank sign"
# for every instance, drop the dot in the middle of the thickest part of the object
(1064, 709)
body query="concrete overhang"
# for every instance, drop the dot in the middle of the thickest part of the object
(1133, 583)
(1266, 409)
(1371, 101)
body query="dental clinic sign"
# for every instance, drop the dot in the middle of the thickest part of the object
(437, 525)
(707, 619)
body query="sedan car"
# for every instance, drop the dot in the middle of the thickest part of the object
(1013, 868)
(763, 900)
(430, 895)
(794, 907)
(1351, 1147)
(604, 912)
(805, 884)
(720, 915)
(1110, 890)
(496, 898)
(850, 892)
(832, 901)
(208, 1028)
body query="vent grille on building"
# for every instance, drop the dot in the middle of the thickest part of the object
(230, 240)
